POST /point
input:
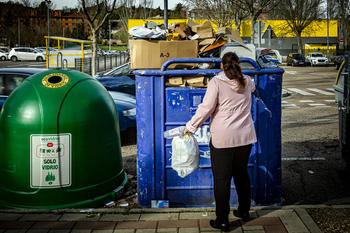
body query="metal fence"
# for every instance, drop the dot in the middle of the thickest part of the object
(103, 63)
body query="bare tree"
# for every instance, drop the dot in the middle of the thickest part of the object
(125, 13)
(298, 15)
(145, 7)
(222, 13)
(96, 13)
(255, 9)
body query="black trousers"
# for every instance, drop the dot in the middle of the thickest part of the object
(228, 163)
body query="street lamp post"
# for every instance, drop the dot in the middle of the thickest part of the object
(48, 2)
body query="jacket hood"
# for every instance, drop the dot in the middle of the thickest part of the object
(231, 83)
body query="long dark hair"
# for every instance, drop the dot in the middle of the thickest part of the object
(232, 69)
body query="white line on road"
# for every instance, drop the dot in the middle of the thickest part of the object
(291, 72)
(320, 91)
(330, 101)
(306, 101)
(304, 159)
(300, 91)
(289, 106)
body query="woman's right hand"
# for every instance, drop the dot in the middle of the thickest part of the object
(187, 131)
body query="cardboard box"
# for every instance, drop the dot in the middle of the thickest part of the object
(197, 81)
(150, 54)
(204, 30)
(175, 82)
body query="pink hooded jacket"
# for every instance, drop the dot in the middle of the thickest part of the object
(229, 105)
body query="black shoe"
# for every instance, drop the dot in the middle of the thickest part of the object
(225, 227)
(245, 217)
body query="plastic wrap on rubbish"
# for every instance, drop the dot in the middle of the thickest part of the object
(261, 104)
(142, 32)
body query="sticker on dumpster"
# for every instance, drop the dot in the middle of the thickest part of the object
(50, 160)
(55, 80)
(195, 100)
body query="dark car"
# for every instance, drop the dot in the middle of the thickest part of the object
(121, 79)
(296, 59)
(10, 78)
(338, 61)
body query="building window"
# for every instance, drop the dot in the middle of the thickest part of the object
(73, 24)
(73, 19)
(66, 24)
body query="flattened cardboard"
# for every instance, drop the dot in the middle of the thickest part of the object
(217, 43)
(197, 81)
(147, 54)
(175, 82)
(203, 31)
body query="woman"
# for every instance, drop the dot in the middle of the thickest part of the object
(228, 102)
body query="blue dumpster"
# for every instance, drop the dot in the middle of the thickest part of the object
(160, 108)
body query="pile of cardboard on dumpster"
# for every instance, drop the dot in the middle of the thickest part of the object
(152, 44)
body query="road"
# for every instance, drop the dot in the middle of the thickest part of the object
(313, 171)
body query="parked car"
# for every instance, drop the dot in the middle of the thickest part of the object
(121, 79)
(25, 53)
(338, 61)
(317, 59)
(44, 48)
(10, 78)
(3, 55)
(295, 59)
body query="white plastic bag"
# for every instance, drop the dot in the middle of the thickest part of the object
(185, 154)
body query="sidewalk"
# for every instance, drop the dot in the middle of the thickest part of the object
(183, 220)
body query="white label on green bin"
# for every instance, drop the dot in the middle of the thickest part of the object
(50, 160)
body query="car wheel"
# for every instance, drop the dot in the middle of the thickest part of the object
(293, 64)
(14, 58)
(40, 59)
(3, 58)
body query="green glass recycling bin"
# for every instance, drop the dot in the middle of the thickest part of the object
(60, 144)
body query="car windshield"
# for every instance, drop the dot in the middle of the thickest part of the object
(317, 55)
(298, 55)
(122, 70)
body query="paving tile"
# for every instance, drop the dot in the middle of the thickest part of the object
(293, 223)
(137, 225)
(16, 231)
(273, 213)
(124, 231)
(307, 220)
(155, 217)
(252, 215)
(205, 223)
(52, 225)
(10, 217)
(189, 230)
(119, 217)
(209, 230)
(15, 225)
(81, 231)
(178, 223)
(95, 225)
(275, 229)
(79, 217)
(40, 217)
(253, 228)
(38, 230)
(167, 230)
(197, 215)
(102, 231)
(59, 231)
(146, 231)
(264, 221)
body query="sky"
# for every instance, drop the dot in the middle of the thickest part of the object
(156, 3)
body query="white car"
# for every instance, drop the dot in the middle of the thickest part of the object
(3, 55)
(317, 59)
(25, 53)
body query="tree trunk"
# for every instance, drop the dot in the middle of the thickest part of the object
(94, 53)
(252, 22)
(299, 42)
